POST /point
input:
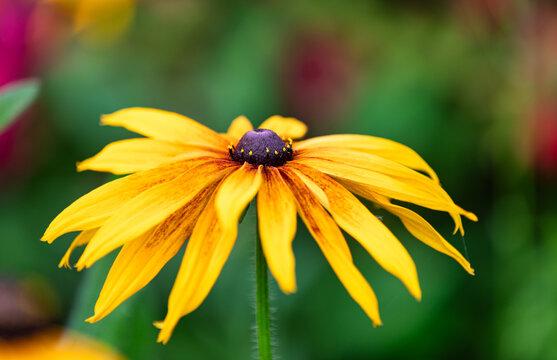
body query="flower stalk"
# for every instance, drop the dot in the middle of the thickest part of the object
(262, 314)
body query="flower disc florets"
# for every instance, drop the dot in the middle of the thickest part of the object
(261, 147)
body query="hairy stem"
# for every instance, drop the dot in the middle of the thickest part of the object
(262, 315)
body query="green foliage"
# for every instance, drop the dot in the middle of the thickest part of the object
(15, 98)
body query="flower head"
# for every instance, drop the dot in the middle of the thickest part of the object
(188, 181)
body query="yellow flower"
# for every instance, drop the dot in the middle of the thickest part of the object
(55, 344)
(191, 182)
(98, 21)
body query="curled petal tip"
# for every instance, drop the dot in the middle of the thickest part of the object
(471, 216)
(162, 339)
(414, 289)
(158, 324)
(104, 119)
(80, 266)
(47, 237)
(65, 265)
(289, 289)
(164, 336)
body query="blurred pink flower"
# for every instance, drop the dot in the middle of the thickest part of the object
(482, 15)
(8, 141)
(15, 17)
(317, 77)
(14, 26)
(544, 141)
(538, 49)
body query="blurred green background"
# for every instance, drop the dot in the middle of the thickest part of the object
(471, 85)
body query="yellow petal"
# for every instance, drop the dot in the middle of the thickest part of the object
(384, 184)
(363, 226)
(103, 18)
(385, 148)
(315, 190)
(331, 242)
(276, 211)
(82, 239)
(386, 178)
(285, 127)
(206, 252)
(235, 193)
(369, 193)
(239, 127)
(424, 232)
(150, 208)
(165, 126)
(133, 155)
(141, 259)
(377, 164)
(93, 209)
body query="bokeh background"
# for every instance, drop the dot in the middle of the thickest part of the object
(471, 85)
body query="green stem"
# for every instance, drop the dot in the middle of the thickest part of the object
(262, 315)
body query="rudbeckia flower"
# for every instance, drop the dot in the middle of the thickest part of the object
(189, 182)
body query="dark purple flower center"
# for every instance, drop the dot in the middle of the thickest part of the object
(261, 147)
